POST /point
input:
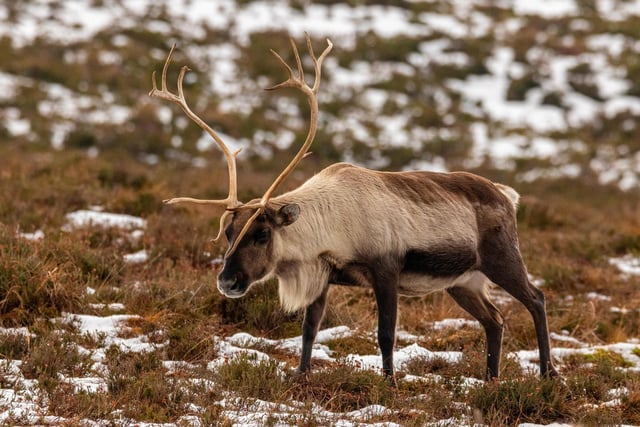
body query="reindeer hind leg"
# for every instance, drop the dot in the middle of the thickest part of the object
(471, 295)
(503, 265)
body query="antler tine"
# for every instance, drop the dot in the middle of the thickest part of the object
(223, 219)
(311, 93)
(291, 81)
(298, 61)
(163, 93)
(318, 64)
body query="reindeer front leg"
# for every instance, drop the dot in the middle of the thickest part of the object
(312, 317)
(385, 287)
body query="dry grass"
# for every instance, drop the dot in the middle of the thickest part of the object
(175, 296)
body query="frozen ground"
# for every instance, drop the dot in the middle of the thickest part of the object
(22, 399)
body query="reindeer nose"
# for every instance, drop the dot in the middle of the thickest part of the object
(225, 284)
(230, 286)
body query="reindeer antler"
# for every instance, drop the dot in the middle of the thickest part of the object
(299, 83)
(231, 202)
(312, 95)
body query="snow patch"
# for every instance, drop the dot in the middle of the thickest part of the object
(88, 218)
(627, 264)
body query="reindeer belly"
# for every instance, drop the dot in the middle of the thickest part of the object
(415, 285)
(436, 268)
(424, 270)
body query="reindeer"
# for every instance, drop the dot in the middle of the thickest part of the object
(399, 233)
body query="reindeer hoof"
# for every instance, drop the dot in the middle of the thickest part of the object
(301, 376)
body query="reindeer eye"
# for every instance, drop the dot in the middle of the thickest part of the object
(263, 236)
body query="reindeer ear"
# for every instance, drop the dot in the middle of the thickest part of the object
(288, 214)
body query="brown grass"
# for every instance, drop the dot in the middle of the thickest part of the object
(175, 296)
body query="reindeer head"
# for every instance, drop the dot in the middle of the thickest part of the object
(252, 226)
(252, 258)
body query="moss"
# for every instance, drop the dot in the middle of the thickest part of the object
(607, 358)
(428, 365)
(355, 344)
(247, 377)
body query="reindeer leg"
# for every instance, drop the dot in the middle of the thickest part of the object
(385, 287)
(503, 265)
(534, 300)
(312, 317)
(472, 296)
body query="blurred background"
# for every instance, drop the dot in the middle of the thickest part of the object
(521, 90)
(542, 95)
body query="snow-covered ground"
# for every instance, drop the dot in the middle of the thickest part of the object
(22, 400)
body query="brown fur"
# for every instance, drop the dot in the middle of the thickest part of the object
(405, 233)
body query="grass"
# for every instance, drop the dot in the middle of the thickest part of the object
(33, 277)
(564, 238)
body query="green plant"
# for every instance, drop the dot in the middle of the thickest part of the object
(519, 87)
(345, 387)
(14, 345)
(53, 354)
(355, 344)
(260, 312)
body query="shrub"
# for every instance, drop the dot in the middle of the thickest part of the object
(526, 399)
(52, 354)
(13, 345)
(355, 344)
(345, 387)
(581, 79)
(518, 88)
(66, 401)
(190, 340)
(260, 312)
(247, 377)
(138, 382)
